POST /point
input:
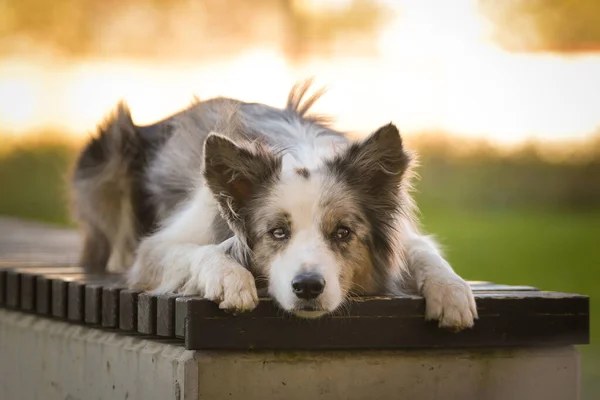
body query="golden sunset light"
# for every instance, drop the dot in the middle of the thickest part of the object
(432, 71)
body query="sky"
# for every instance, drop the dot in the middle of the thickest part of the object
(435, 68)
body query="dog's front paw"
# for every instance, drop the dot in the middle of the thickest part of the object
(237, 291)
(220, 279)
(450, 301)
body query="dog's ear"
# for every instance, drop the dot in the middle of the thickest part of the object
(235, 174)
(379, 161)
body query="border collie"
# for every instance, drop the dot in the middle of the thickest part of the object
(227, 199)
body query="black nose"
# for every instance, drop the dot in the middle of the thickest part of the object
(308, 286)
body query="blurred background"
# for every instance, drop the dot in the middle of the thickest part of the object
(500, 98)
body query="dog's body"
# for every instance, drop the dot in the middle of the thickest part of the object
(228, 195)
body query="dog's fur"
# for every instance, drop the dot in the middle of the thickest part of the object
(228, 196)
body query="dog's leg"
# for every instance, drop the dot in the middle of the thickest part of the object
(96, 251)
(182, 258)
(448, 297)
(123, 242)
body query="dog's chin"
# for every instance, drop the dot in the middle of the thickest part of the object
(309, 314)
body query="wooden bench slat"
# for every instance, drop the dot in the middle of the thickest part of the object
(13, 285)
(3, 287)
(128, 307)
(43, 295)
(93, 303)
(165, 314)
(146, 314)
(505, 319)
(110, 305)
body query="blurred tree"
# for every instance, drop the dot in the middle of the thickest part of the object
(545, 25)
(179, 28)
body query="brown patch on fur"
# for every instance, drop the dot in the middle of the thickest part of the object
(363, 281)
(357, 275)
(303, 172)
(353, 254)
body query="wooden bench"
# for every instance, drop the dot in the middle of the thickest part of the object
(521, 330)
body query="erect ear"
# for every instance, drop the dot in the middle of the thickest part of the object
(378, 161)
(234, 173)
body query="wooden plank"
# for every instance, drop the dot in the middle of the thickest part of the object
(28, 292)
(2, 288)
(146, 314)
(186, 310)
(13, 285)
(3, 272)
(110, 305)
(179, 325)
(165, 314)
(128, 306)
(93, 303)
(59, 297)
(506, 319)
(43, 295)
(75, 300)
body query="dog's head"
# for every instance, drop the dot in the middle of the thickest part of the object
(316, 235)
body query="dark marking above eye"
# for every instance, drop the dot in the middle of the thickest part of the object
(303, 172)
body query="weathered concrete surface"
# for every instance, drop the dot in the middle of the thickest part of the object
(46, 359)
(527, 374)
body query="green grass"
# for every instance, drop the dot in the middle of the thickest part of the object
(551, 251)
(33, 181)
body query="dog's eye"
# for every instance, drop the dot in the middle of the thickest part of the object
(280, 234)
(342, 233)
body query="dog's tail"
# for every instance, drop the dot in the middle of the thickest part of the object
(102, 193)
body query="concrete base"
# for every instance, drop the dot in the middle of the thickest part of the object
(46, 359)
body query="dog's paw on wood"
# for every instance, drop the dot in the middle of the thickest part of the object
(449, 300)
(237, 292)
(221, 279)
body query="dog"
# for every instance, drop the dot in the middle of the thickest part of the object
(228, 199)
